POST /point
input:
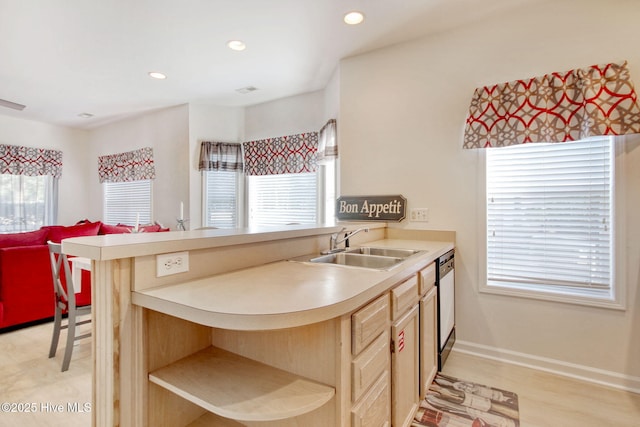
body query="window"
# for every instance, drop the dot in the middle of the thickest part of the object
(550, 220)
(27, 202)
(328, 191)
(222, 198)
(286, 180)
(307, 198)
(283, 199)
(126, 202)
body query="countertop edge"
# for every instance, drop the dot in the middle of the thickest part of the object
(115, 246)
(293, 318)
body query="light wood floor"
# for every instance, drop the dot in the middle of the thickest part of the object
(28, 376)
(548, 400)
(545, 400)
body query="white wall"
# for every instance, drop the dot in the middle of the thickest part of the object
(332, 97)
(175, 135)
(73, 193)
(286, 116)
(167, 132)
(401, 123)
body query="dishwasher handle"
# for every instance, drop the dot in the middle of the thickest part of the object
(446, 264)
(446, 268)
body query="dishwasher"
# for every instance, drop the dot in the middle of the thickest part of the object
(446, 306)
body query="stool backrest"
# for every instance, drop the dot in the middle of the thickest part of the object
(64, 291)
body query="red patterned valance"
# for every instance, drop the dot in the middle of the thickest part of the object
(286, 154)
(17, 160)
(133, 165)
(557, 107)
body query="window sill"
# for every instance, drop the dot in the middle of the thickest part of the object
(604, 301)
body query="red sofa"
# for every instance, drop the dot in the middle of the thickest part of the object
(26, 283)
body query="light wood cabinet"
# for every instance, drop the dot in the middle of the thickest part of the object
(244, 389)
(370, 377)
(405, 362)
(199, 374)
(369, 322)
(244, 323)
(428, 339)
(391, 360)
(368, 366)
(427, 278)
(373, 410)
(404, 296)
(428, 326)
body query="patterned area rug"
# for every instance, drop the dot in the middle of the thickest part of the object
(452, 402)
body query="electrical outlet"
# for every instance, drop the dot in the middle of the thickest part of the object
(174, 263)
(419, 215)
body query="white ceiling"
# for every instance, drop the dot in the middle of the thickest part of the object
(66, 57)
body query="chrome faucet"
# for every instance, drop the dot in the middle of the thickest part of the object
(335, 240)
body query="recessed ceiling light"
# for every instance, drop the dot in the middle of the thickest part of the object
(236, 45)
(157, 75)
(246, 89)
(85, 115)
(353, 18)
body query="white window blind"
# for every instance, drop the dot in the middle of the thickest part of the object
(283, 199)
(221, 201)
(549, 214)
(126, 201)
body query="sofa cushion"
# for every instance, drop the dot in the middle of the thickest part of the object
(124, 228)
(114, 229)
(29, 238)
(58, 232)
(149, 228)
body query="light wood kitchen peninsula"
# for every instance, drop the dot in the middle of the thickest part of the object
(249, 336)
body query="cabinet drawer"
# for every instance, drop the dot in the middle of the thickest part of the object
(404, 296)
(374, 410)
(369, 322)
(427, 278)
(369, 365)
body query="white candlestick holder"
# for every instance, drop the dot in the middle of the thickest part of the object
(182, 224)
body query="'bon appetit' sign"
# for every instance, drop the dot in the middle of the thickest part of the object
(371, 208)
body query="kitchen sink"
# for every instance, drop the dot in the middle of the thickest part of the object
(374, 258)
(389, 252)
(358, 260)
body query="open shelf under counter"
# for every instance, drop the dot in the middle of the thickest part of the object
(241, 389)
(212, 420)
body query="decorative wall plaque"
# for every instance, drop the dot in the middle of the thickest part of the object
(371, 208)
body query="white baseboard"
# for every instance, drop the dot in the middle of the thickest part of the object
(558, 367)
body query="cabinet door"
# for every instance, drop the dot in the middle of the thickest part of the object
(373, 409)
(368, 366)
(428, 340)
(405, 368)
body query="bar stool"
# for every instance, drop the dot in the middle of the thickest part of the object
(65, 301)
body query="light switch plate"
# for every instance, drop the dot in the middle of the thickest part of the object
(173, 263)
(419, 215)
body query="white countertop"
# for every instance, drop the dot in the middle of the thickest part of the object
(285, 293)
(115, 246)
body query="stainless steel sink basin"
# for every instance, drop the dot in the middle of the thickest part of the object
(358, 260)
(390, 252)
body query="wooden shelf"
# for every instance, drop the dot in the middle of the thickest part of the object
(241, 389)
(212, 420)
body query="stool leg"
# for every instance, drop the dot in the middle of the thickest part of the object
(57, 325)
(71, 337)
